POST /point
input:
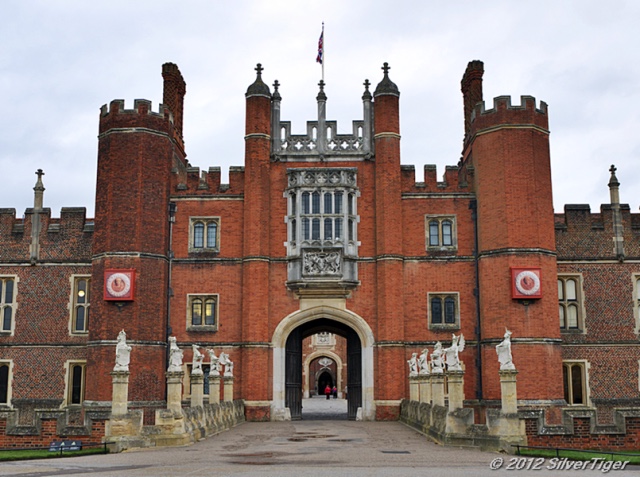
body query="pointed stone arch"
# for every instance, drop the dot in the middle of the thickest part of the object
(309, 314)
(307, 363)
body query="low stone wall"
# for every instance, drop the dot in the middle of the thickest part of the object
(457, 428)
(579, 429)
(46, 425)
(172, 428)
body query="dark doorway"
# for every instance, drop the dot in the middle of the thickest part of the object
(293, 365)
(324, 380)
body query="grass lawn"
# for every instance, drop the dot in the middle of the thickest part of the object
(45, 454)
(630, 456)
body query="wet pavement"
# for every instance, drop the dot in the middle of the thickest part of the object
(307, 447)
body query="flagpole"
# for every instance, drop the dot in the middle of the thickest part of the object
(323, 50)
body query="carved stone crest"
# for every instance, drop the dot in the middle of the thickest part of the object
(319, 264)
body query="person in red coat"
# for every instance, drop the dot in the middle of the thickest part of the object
(327, 391)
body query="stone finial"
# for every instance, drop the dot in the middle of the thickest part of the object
(258, 88)
(123, 353)
(504, 353)
(39, 191)
(386, 86)
(175, 356)
(321, 95)
(366, 96)
(276, 94)
(614, 185)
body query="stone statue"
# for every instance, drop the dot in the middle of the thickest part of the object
(504, 352)
(228, 364)
(175, 356)
(123, 353)
(214, 369)
(423, 363)
(196, 365)
(437, 362)
(413, 365)
(451, 353)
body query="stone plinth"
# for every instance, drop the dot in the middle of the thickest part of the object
(197, 389)
(425, 388)
(228, 388)
(174, 391)
(414, 388)
(437, 389)
(120, 396)
(508, 389)
(456, 390)
(214, 389)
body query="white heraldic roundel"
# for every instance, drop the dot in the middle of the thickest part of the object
(118, 284)
(527, 283)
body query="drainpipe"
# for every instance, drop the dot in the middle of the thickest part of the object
(172, 219)
(473, 205)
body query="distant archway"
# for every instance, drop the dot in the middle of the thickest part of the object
(312, 320)
(309, 380)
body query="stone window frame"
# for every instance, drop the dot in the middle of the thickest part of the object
(73, 305)
(584, 367)
(444, 295)
(635, 277)
(191, 297)
(69, 366)
(206, 221)
(4, 305)
(440, 219)
(9, 364)
(578, 302)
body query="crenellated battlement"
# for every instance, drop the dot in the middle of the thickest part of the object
(450, 182)
(583, 234)
(140, 106)
(193, 181)
(505, 113)
(64, 238)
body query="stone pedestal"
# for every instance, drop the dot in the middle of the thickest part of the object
(228, 388)
(120, 396)
(437, 389)
(508, 389)
(425, 388)
(174, 391)
(214, 389)
(197, 390)
(456, 390)
(414, 388)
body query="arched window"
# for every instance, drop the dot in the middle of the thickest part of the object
(81, 304)
(575, 388)
(202, 312)
(569, 306)
(205, 234)
(434, 233)
(4, 383)
(76, 383)
(198, 235)
(7, 302)
(444, 311)
(447, 233)
(441, 233)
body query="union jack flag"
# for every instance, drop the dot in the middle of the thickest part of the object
(320, 47)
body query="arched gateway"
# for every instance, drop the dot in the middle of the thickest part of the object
(287, 359)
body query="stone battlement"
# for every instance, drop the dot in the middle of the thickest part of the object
(140, 106)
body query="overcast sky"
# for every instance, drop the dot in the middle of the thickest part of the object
(61, 60)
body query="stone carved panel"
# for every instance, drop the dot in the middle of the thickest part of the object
(322, 264)
(322, 178)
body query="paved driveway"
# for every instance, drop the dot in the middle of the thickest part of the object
(323, 448)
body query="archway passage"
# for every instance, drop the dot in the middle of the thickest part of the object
(293, 364)
(325, 379)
